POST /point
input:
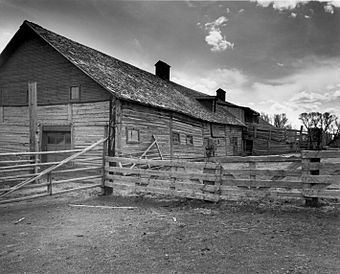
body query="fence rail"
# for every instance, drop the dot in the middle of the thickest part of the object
(310, 175)
(28, 178)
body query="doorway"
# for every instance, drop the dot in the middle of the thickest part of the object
(55, 138)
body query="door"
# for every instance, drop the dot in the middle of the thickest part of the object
(54, 140)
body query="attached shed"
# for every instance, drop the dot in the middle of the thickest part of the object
(79, 91)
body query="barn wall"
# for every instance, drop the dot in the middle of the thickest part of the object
(186, 126)
(35, 60)
(151, 121)
(235, 132)
(14, 129)
(87, 119)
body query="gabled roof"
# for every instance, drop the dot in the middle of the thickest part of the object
(126, 81)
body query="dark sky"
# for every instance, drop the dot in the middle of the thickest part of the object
(274, 57)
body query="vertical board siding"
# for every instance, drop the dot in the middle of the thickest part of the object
(35, 60)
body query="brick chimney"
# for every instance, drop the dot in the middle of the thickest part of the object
(220, 94)
(162, 70)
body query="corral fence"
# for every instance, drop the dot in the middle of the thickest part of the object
(25, 175)
(309, 175)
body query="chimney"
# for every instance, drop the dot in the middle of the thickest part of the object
(220, 94)
(162, 70)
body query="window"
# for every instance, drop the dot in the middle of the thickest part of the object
(75, 93)
(175, 138)
(189, 140)
(132, 135)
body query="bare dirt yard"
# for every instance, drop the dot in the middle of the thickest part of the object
(161, 235)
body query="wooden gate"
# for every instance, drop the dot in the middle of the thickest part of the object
(24, 176)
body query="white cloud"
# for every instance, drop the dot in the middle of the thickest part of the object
(329, 8)
(215, 38)
(316, 87)
(292, 4)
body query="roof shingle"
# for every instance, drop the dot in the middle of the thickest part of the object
(128, 82)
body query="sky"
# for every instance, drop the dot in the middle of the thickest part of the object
(272, 56)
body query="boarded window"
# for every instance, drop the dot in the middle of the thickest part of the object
(189, 140)
(75, 93)
(175, 138)
(132, 135)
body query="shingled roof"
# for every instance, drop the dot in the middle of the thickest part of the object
(128, 82)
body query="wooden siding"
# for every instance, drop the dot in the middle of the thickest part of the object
(150, 121)
(186, 126)
(35, 60)
(87, 119)
(14, 129)
(233, 132)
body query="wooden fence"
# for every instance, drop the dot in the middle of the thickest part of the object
(24, 176)
(232, 178)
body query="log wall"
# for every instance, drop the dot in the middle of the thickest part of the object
(87, 121)
(150, 121)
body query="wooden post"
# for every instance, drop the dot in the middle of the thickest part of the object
(306, 172)
(300, 138)
(105, 189)
(252, 167)
(32, 115)
(170, 136)
(118, 127)
(32, 110)
(49, 186)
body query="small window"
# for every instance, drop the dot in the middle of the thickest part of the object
(132, 135)
(189, 140)
(74, 93)
(175, 138)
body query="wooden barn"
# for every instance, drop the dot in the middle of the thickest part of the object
(57, 94)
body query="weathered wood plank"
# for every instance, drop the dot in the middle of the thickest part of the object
(320, 154)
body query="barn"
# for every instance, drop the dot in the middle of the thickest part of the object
(57, 94)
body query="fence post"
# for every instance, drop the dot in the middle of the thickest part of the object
(105, 189)
(49, 186)
(307, 184)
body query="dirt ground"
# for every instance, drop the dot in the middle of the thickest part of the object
(161, 235)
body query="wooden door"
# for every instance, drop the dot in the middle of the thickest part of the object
(54, 141)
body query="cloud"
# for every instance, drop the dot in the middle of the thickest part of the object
(214, 37)
(280, 5)
(329, 8)
(314, 87)
(228, 79)
(292, 4)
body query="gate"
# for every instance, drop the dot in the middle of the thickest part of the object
(24, 176)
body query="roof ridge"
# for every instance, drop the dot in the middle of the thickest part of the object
(128, 82)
